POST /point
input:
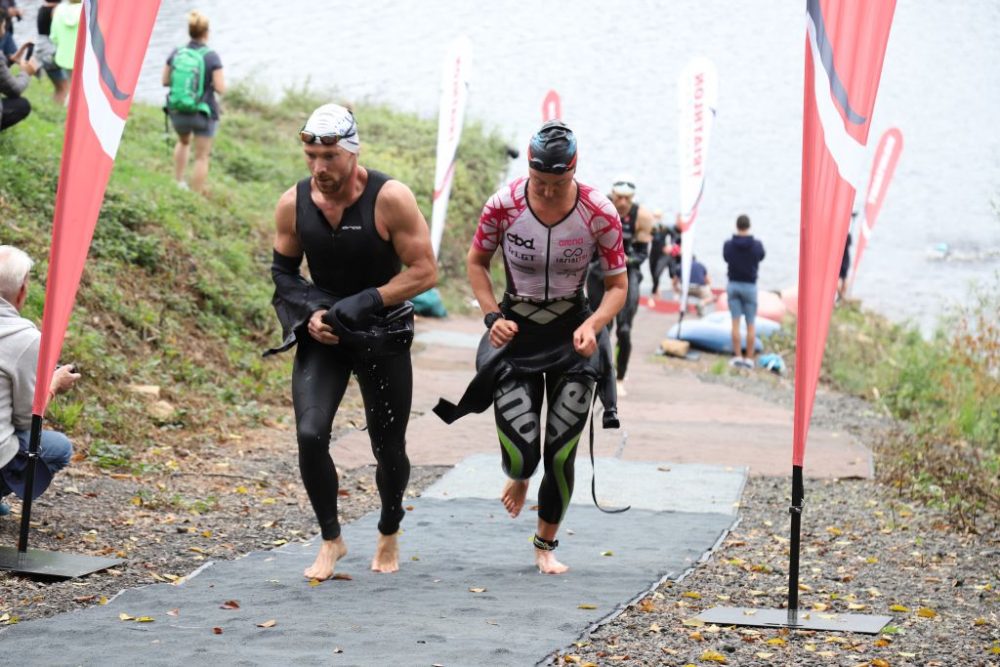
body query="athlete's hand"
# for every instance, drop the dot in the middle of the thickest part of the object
(321, 331)
(502, 332)
(585, 340)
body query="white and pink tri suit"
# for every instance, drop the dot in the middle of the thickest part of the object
(546, 262)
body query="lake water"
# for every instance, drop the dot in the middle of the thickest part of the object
(615, 68)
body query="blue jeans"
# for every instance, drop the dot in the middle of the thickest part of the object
(54, 449)
(7, 44)
(742, 299)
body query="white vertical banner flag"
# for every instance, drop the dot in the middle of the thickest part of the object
(697, 97)
(454, 94)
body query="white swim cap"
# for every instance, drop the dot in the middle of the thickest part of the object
(624, 185)
(332, 125)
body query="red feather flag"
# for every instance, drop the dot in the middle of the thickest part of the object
(111, 45)
(845, 47)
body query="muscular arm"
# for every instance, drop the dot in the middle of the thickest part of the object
(286, 241)
(397, 211)
(644, 225)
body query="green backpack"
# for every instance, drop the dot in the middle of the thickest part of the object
(187, 82)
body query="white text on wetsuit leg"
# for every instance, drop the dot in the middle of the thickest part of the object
(514, 404)
(568, 408)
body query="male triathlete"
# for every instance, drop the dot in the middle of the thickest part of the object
(355, 227)
(543, 337)
(637, 232)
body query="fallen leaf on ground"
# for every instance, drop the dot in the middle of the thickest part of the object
(267, 624)
(607, 553)
(145, 619)
(84, 598)
(586, 605)
(173, 612)
(216, 630)
(230, 604)
(314, 582)
(125, 617)
(713, 656)
(926, 612)
(477, 590)
(900, 608)
(694, 595)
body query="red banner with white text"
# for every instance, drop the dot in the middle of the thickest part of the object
(883, 167)
(111, 44)
(845, 48)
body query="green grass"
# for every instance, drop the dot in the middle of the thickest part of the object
(176, 291)
(945, 390)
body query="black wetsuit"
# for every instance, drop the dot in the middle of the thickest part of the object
(635, 253)
(344, 260)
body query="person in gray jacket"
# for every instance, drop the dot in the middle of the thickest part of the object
(19, 344)
(13, 107)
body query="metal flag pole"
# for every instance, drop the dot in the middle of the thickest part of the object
(794, 618)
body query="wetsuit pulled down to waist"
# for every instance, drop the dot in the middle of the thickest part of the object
(543, 344)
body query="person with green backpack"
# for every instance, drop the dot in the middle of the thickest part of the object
(193, 75)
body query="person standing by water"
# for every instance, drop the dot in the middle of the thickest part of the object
(356, 227)
(543, 340)
(637, 232)
(743, 254)
(194, 75)
(63, 31)
(45, 51)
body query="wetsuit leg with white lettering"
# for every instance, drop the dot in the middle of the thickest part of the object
(517, 406)
(569, 400)
(623, 323)
(386, 385)
(319, 378)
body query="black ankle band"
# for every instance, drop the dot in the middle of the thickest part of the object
(544, 545)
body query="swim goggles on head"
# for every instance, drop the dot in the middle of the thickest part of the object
(330, 139)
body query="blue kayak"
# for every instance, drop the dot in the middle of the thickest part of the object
(714, 332)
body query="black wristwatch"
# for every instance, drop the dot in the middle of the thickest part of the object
(491, 318)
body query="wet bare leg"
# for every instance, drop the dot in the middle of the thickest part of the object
(330, 551)
(546, 560)
(386, 558)
(514, 492)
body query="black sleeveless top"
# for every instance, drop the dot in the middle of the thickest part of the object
(351, 257)
(628, 229)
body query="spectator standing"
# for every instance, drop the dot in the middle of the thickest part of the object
(63, 32)
(743, 254)
(45, 52)
(8, 12)
(194, 75)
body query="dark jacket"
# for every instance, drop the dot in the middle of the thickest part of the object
(743, 254)
(11, 85)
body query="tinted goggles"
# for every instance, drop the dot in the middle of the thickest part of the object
(330, 139)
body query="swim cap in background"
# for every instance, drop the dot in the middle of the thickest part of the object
(332, 124)
(553, 148)
(624, 185)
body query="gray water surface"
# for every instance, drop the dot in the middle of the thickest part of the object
(615, 67)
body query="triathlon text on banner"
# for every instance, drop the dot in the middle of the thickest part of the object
(451, 116)
(844, 50)
(551, 106)
(113, 37)
(886, 156)
(697, 99)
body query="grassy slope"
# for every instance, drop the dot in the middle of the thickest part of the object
(176, 291)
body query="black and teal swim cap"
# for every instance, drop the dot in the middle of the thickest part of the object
(553, 148)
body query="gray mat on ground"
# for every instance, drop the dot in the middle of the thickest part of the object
(423, 615)
(679, 487)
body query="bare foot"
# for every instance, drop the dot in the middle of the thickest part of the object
(386, 558)
(513, 495)
(547, 563)
(329, 553)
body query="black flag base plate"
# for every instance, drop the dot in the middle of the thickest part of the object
(804, 619)
(52, 564)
